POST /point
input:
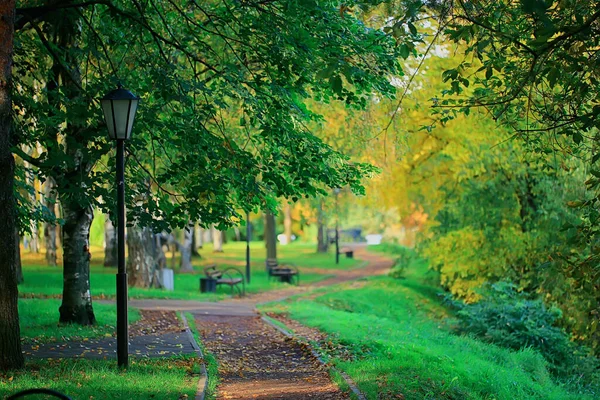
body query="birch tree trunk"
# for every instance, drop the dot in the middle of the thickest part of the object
(142, 260)
(50, 227)
(217, 240)
(110, 243)
(77, 299)
(10, 341)
(185, 262)
(270, 236)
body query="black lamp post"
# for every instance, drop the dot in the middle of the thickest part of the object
(336, 191)
(248, 232)
(119, 107)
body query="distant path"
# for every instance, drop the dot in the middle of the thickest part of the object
(246, 306)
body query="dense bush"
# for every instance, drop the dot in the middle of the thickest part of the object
(509, 318)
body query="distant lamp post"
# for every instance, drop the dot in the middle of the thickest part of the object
(336, 191)
(119, 107)
(248, 233)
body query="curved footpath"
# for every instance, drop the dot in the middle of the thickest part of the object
(256, 361)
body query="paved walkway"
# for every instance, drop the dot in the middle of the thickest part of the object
(165, 345)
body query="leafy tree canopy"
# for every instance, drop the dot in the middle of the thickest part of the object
(222, 123)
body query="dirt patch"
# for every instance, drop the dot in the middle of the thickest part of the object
(258, 362)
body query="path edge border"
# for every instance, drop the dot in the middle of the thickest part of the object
(351, 384)
(203, 381)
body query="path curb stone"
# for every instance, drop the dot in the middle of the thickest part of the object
(316, 354)
(203, 381)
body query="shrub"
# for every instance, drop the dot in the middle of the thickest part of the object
(509, 318)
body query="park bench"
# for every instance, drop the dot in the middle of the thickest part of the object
(230, 276)
(348, 252)
(287, 273)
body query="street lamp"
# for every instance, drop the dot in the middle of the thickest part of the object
(336, 191)
(119, 107)
(248, 232)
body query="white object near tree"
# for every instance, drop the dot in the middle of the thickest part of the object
(373, 239)
(167, 278)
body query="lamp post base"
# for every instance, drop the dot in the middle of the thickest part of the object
(122, 323)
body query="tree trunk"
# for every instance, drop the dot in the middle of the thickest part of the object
(34, 242)
(217, 240)
(142, 260)
(77, 299)
(270, 236)
(18, 266)
(185, 262)
(50, 227)
(195, 239)
(238, 234)
(287, 223)
(199, 236)
(322, 237)
(110, 243)
(10, 342)
(208, 235)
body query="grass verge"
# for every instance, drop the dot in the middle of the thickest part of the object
(210, 362)
(157, 379)
(396, 343)
(39, 322)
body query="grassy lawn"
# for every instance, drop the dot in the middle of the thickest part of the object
(171, 378)
(39, 321)
(392, 337)
(44, 281)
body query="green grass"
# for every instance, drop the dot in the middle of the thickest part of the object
(396, 340)
(39, 321)
(210, 361)
(43, 281)
(172, 378)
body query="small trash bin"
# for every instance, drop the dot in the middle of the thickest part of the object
(350, 254)
(208, 285)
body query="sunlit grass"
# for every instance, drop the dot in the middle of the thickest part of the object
(39, 321)
(398, 342)
(172, 378)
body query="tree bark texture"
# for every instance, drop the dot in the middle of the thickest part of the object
(77, 299)
(10, 342)
(185, 250)
(287, 222)
(110, 243)
(217, 240)
(322, 237)
(142, 259)
(50, 227)
(270, 236)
